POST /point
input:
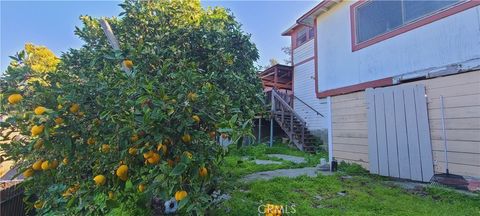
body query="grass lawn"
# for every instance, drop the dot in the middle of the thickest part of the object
(359, 194)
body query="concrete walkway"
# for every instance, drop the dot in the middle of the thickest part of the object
(261, 162)
(291, 173)
(294, 159)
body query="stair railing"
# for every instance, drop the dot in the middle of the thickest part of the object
(279, 104)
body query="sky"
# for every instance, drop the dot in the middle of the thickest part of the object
(52, 23)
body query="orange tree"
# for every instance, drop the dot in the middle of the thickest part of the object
(97, 140)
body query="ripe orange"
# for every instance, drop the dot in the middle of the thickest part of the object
(15, 98)
(128, 63)
(122, 172)
(203, 172)
(154, 159)
(45, 165)
(141, 187)
(180, 195)
(37, 165)
(74, 108)
(105, 148)
(39, 110)
(37, 129)
(186, 138)
(188, 154)
(100, 180)
(196, 119)
(28, 173)
(38, 204)
(58, 120)
(132, 151)
(54, 164)
(91, 141)
(192, 96)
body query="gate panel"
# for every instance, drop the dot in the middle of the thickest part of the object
(398, 132)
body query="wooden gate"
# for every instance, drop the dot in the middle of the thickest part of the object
(398, 132)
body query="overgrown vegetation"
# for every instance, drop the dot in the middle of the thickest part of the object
(350, 191)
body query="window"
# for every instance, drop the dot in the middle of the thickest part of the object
(378, 17)
(304, 35)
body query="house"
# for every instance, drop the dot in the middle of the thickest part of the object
(398, 84)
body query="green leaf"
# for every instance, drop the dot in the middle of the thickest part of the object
(183, 202)
(179, 169)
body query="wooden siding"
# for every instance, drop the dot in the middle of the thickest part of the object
(303, 84)
(350, 132)
(462, 121)
(303, 52)
(461, 94)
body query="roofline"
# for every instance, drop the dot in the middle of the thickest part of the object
(289, 30)
(321, 7)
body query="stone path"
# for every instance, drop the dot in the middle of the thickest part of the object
(262, 162)
(294, 159)
(291, 173)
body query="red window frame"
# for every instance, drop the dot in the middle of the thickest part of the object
(410, 26)
(309, 37)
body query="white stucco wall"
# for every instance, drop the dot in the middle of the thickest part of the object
(450, 40)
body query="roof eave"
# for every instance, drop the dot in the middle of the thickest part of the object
(309, 17)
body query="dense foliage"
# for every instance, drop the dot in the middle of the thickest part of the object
(97, 140)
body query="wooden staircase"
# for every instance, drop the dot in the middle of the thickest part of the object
(291, 123)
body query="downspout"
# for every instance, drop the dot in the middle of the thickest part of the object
(329, 131)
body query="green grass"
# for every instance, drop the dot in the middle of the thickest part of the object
(234, 167)
(365, 194)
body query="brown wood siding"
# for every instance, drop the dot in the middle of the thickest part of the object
(461, 94)
(349, 123)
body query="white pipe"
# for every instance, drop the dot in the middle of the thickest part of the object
(444, 134)
(329, 130)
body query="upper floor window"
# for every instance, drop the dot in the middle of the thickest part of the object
(374, 19)
(304, 35)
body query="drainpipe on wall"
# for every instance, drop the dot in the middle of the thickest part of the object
(329, 131)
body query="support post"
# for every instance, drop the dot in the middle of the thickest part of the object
(272, 115)
(271, 131)
(259, 139)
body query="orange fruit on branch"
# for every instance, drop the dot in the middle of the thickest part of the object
(45, 165)
(154, 159)
(28, 173)
(180, 195)
(132, 151)
(37, 129)
(128, 63)
(203, 172)
(39, 110)
(58, 120)
(196, 119)
(37, 165)
(186, 138)
(192, 96)
(100, 180)
(15, 98)
(74, 108)
(122, 172)
(141, 187)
